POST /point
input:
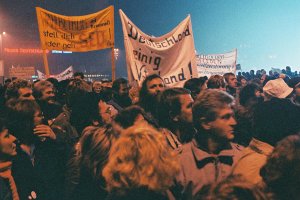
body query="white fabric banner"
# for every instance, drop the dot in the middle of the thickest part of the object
(172, 55)
(214, 64)
(68, 73)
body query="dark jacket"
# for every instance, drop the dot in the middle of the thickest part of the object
(5, 192)
(41, 175)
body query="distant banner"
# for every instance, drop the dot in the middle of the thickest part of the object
(172, 55)
(277, 70)
(68, 73)
(214, 64)
(76, 33)
(21, 72)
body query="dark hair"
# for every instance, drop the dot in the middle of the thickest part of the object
(144, 90)
(20, 117)
(39, 87)
(227, 75)
(116, 84)
(75, 90)
(169, 106)
(282, 170)
(12, 90)
(79, 74)
(194, 85)
(248, 92)
(126, 117)
(3, 124)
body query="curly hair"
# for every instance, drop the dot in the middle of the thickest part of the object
(282, 170)
(140, 158)
(13, 88)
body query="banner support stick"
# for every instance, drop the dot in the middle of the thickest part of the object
(47, 72)
(113, 67)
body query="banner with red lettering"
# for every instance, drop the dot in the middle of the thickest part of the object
(172, 55)
(76, 33)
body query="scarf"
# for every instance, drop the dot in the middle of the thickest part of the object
(5, 172)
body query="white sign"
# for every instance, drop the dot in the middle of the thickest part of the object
(216, 64)
(68, 73)
(172, 56)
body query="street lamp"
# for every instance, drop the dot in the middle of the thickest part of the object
(116, 53)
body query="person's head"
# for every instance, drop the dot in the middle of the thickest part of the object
(196, 85)
(78, 75)
(263, 77)
(216, 82)
(230, 79)
(43, 91)
(76, 89)
(213, 114)
(121, 87)
(7, 145)
(250, 95)
(175, 108)
(276, 89)
(94, 148)
(130, 116)
(140, 158)
(152, 85)
(242, 81)
(23, 116)
(19, 89)
(97, 87)
(232, 188)
(281, 172)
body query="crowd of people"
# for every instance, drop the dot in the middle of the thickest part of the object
(224, 137)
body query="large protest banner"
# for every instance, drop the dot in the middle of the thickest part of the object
(172, 55)
(68, 73)
(76, 33)
(216, 64)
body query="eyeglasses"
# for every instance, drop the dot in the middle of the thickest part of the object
(107, 111)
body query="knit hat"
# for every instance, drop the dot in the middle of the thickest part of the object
(277, 88)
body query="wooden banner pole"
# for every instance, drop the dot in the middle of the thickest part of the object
(47, 72)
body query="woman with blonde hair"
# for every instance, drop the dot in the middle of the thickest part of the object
(140, 166)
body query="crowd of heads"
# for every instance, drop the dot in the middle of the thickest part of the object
(218, 137)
